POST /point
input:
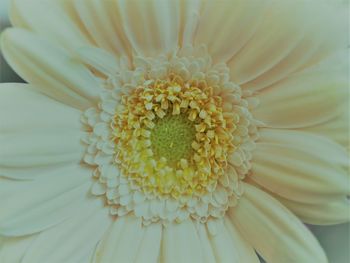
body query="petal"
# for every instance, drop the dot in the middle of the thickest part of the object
(33, 149)
(33, 172)
(302, 100)
(284, 39)
(180, 243)
(220, 26)
(336, 128)
(51, 68)
(149, 247)
(31, 206)
(189, 20)
(102, 20)
(274, 232)
(23, 108)
(333, 210)
(223, 246)
(152, 27)
(99, 59)
(299, 166)
(104, 252)
(54, 23)
(245, 251)
(329, 212)
(12, 249)
(207, 249)
(124, 235)
(229, 246)
(73, 239)
(35, 131)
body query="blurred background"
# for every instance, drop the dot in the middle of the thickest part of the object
(334, 239)
(6, 73)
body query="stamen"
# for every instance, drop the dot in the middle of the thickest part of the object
(187, 133)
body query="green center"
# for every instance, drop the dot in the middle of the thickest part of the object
(172, 137)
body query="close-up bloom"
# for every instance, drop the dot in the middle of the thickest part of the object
(173, 130)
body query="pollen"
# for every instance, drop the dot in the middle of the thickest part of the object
(172, 138)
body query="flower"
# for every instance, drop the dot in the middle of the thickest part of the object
(172, 131)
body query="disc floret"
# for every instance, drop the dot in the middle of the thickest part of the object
(172, 138)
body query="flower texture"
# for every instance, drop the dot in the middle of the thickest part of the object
(172, 131)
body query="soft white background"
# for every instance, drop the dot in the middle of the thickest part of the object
(334, 239)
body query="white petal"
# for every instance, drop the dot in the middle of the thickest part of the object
(245, 251)
(50, 67)
(223, 246)
(36, 131)
(24, 108)
(99, 59)
(34, 149)
(302, 100)
(286, 34)
(120, 241)
(299, 166)
(102, 20)
(54, 23)
(31, 206)
(274, 232)
(328, 212)
(207, 249)
(73, 239)
(149, 248)
(12, 249)
(336, 128)
(98, 188)
(190, 14)
(32, 172)
(220, 26)
(180, 243)
(152, 27)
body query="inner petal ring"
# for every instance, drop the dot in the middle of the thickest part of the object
(171, 139)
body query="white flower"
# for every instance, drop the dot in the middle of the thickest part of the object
(172, 131)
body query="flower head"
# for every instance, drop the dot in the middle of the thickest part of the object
(172, 131)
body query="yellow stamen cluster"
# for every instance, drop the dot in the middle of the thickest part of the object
(172, 137)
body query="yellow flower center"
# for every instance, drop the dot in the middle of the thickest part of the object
(172, 138)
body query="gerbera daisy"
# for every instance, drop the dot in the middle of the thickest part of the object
(172, 131)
